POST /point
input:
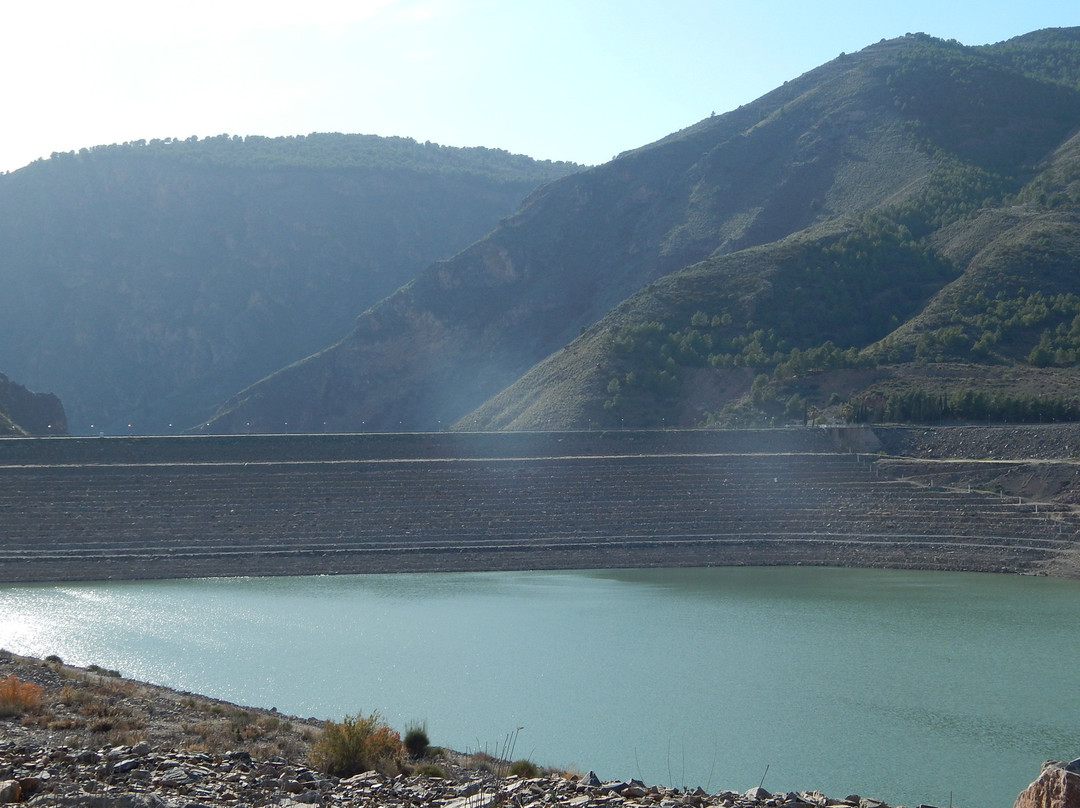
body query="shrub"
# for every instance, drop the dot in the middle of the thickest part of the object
(481, 762)
(431, 770)
(416, 740)
(18, 697)
(356, 745)
(524, 768)
(100, 671)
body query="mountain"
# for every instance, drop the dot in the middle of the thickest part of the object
(23, 413)
(809, 250)
(144, 283)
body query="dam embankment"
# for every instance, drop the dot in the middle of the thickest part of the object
(173, 507)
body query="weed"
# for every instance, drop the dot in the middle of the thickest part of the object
(209, 736)
(356, 745)
(482, 762)
(76, 696)
(18, 697)
(416, 739)
(57, 724)
(431, 770)
(243, 724)
(100, 671)
(524, 768)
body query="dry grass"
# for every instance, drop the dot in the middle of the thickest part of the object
(358, 744)
(57, 703)
(18, 697)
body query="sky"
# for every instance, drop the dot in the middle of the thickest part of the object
(577, 80)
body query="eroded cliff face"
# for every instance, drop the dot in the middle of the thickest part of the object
(24, 413)
(1057, 786)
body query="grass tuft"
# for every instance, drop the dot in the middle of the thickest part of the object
(356, 745)
(416, 739)
(524, 768)
(17, 697)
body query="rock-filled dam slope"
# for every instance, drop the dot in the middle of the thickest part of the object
(110, 508)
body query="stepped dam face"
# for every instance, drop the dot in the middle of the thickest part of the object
(179, 507)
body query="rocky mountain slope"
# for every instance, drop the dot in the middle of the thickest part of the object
(23, 413)
(843, 222)
(144, 283)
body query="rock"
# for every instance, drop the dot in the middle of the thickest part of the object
(32, 785)
(126, 765)
(1073, 766)
(1056, 787)
(10, 791)
(479, 800)
(178, 776)
(137, 777)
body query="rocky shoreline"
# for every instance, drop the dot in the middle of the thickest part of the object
(141, 777)
(97, 740)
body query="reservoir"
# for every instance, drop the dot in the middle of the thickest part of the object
(911, 687)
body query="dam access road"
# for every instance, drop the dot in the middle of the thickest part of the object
(976, 498)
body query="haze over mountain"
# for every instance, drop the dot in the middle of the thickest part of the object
(145, 283)
(894, 233)
(24, 413)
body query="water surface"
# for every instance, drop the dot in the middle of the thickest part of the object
(907, 686)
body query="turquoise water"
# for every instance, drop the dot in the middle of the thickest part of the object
(906, 686)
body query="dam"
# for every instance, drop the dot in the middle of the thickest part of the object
(272, 505)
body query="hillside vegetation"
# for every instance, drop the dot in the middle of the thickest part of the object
(898, 225)
(145, 282)
(891, 236)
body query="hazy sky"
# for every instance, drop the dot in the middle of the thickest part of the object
(577, 80)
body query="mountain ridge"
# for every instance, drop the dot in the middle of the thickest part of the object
(147, 282)
(885, 132)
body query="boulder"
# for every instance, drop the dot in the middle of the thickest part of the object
(10, 791)
(1055, 787)
(591, 780)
